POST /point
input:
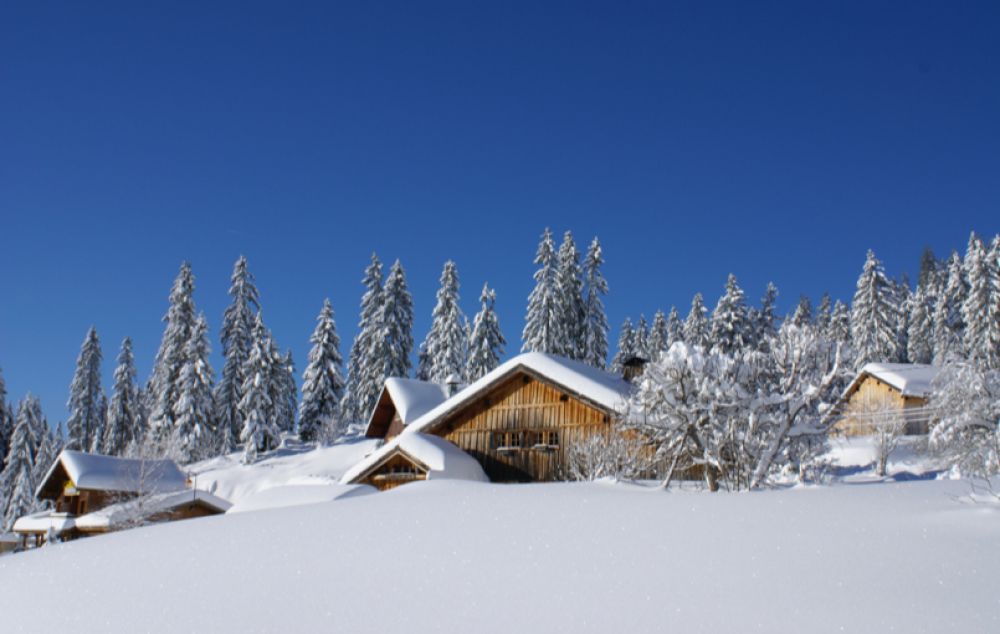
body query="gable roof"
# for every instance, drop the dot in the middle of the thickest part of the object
(411, 398)
(117, 514)
(96, 472)
(911, 379)
(441, 458)
(597, 387)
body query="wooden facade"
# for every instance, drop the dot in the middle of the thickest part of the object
(520, 430)
(397, 468)
(385, 419)
(873, 402)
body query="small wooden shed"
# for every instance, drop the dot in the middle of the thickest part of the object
(886, 393)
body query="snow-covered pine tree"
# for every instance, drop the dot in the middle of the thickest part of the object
(486, 341)
(766, 327)
(45, 455)
(929, 268)
(949, 327)
(595, 323)
(124, 412)
(823, 314)
(626, 346)
(675, 327)
(993, 330)
(260, 434)
(730, 324)
(447, 340)
(322, 382)
(696, 326)
(364, 370)
(803, 315)
(397, 316)
(277, 386)
(193, 435)
(85, 414)
(543, 327)
(840, 323)
(574, 311)
(659, 337)
(873, 315)
(180, 320)
(641, 337)
(976, 311)
(19, 466)
(6, 428)
(920, 335)
(237, 325)
(290, 393)
(98, 440)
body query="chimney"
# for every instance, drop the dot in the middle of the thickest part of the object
(632, 368)
(454, 383)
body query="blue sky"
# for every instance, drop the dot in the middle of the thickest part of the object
(778, 141)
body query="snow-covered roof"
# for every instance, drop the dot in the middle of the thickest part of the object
(413, 398)
(298, 495)
(604, 389)
(141, 508)
(42, 521)
(444, 461)
(911, 379)
(96, 472)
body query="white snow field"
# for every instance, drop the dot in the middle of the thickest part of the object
(453, 556)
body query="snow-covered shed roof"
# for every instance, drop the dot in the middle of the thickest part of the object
(443, 460)
(148, 506)
(603, 389)
(410, 398)
(96, 472)
(911, 379)
(42, 521)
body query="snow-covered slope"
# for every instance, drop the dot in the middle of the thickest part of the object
(460, 556)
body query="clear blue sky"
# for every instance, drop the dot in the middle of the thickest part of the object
(778, 141)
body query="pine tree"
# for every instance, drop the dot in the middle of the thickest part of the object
(975, 308)
(993, 329)
(659, 337)
(626, 347)
(85, 414)
(322, 382)
(873, 315)
(486, 341)
(235, 334)
(730, 324)
(543, 328)
(675, 327)
(447, 340)
(823, 314)
(641, 337)
(289, 405)
(193, 434)
(364, 370)
(766, 327)
(696, 325)
(19, 466)
(180, 320)
(574, 311)
(904, 303)
(803, 315)
(595, 324)
(929, 267)
(6, 429)
(920, 337)
(124, 413)
(949, 327)
(397, 317)
(840, 323)
(260, 434)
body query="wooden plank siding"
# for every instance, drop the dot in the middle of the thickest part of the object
(523, 411)
(874, 396)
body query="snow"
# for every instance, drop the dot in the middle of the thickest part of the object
(113, 515)
(443, 459)
(413, 398)
(456, 556)
(96, 472)
(911, 379)
(42, 521)
(297, 495)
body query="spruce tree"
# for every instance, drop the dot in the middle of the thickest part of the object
(180, 320)
(193, 434)
(364, 369)
(6, 428)
(840, 323)
(543, 327)
(696, 325)
(659, 337)
(873, 315)
(397, 317)
(975, 308)
(124, 412)
(641, 337)
(235, 335)
(486, 341)
(447, 340)
(322, 381)
(730, 324)
(260, 434)
(904, 303)
(929, 266)
(86, 417)
(949, 327)
(289, 391)
(920, 337)
(675, 327)
(823, 314)
(19, 467)
(595, 323)
(626, 347)
(803, 315)
(993, 329)
(574, 311)
(766, 327)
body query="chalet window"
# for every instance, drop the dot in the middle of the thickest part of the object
(508, 440)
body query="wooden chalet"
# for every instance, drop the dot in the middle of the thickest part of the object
(517, 422)
(883, 393)
(401, 402)
(92, 493)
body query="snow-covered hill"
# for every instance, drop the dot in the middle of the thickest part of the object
(459, 556)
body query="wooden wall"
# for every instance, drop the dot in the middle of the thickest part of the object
(874, 396)
(523, 411)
